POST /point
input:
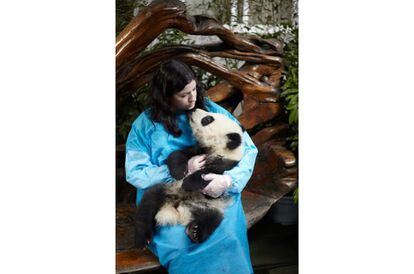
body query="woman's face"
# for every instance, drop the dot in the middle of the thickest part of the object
(186, 98)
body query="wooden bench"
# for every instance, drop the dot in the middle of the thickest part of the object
(129, 259)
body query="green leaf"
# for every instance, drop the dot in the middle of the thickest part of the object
(296, 195)
(293, 116)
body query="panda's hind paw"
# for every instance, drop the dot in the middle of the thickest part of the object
(197, 232)
(193, 232)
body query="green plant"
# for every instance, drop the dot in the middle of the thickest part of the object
(296, 195)
(124, 12)
(290, 93)
(129, 111)
(290, 87)
(169, 37)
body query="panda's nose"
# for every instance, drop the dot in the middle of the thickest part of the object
(190, 113)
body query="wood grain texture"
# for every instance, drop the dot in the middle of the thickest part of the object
(275, 171)
(268, 74)
(135, 260)
(257, 111)
(278, 131)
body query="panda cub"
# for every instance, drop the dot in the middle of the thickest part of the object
(181, 202)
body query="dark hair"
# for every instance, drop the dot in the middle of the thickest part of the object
(171, 77)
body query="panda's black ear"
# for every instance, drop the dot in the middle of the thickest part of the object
(234, 140)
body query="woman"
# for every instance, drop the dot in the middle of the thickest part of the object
(164, 128)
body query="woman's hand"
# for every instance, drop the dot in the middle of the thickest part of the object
(218, 184)
(195, 163)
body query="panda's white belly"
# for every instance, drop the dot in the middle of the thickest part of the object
(169, 215)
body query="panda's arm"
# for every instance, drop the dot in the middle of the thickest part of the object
(242, 172)
(140, 170)
(177, 161)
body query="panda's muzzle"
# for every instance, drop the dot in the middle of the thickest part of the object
(190, 113)
(207, 120)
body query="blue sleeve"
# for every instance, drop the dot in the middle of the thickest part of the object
(242, 172)
(140, 171)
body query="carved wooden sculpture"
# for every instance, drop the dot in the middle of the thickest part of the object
(255, 83)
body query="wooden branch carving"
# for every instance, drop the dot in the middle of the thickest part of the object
(277, 131)
(275, 169)
(239, 79)
(145, 27)
(267, 73)
(132, 72)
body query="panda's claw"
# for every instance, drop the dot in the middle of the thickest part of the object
(192, 232)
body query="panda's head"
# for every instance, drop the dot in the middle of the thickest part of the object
(215, 131)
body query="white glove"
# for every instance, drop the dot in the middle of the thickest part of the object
(218, 184)
(195, 163)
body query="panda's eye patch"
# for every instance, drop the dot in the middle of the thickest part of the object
(207, 120)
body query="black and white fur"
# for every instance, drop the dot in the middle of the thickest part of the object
(182, 202)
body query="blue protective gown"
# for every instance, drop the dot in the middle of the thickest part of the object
(227, 249)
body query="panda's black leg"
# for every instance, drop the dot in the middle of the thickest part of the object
(204, 223)
(194, 181)
(150, 204)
